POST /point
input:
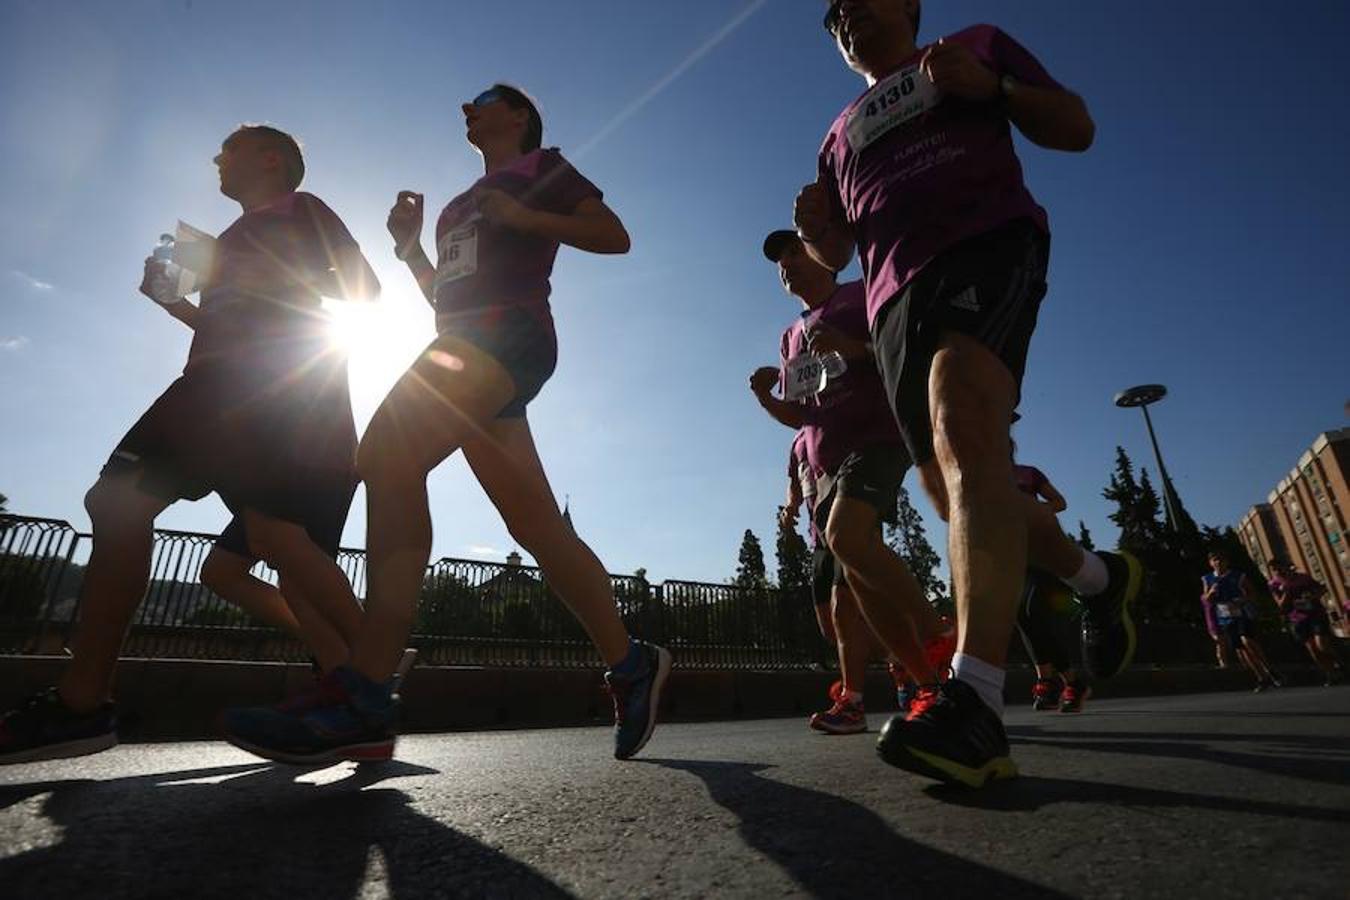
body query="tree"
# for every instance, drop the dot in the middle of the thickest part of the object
(1085, 536)
(1137, 529)
(908, 538)
(750, 571)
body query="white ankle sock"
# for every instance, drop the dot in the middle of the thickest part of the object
(1091, 577)
(987, 680)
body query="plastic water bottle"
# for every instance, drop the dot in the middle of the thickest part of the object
(166, 286)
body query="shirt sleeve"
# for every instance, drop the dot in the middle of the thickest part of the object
(320, 234)
(561, 188)
(1011, 58)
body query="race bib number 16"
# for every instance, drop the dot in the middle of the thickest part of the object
(457, 254)
(893, 100)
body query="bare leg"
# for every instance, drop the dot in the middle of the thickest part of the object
(1260, 665)
(854, 639)
(330, 645)
(505, 462)
(313, 577)
(229, 576)
(123, 518)
(971, 395)
(446, 397)
(886, 591)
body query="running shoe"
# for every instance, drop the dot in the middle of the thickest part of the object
(1074, 695)
(842, 718)
(1108, 627)
(1045, 693)
(43, 727)
(637, 696)
(950, 735)
(1276, 679)
(940, 649)
(345, 717)
(836, 691)
(1260, 686)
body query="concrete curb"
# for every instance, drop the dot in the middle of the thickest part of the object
(164, 699)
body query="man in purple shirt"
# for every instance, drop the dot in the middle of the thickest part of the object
(832, 392)
(918, 175)
(260, 416)
(1300, 599)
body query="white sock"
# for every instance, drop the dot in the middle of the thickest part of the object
(987, 680)
(1091, 578)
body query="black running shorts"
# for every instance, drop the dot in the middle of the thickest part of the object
(518, 338)
(989, 287)
(211, 431)
(325, 509)
(823, 569)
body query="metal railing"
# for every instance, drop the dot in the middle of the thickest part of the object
(469, 612)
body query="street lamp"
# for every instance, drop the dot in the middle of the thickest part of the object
(1141, 396)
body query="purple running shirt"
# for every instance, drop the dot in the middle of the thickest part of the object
(1300, 596)
(916, 172)
(846, 411)
(484, 270)
(259, 313)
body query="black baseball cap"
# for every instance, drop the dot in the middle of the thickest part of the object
(777, 242)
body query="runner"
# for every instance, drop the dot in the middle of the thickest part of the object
(1300, 599)
(919, 176)
(831, 391)
(248, 419)
(1044, 601)
(227, 568)
(1226, 595)
(468, 390)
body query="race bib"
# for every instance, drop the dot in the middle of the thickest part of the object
(1225, 611)
(892, 101)
(804, 377)
(457, 253)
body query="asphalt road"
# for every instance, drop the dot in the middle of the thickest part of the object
(1216, 795)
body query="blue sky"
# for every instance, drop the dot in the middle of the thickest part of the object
(1201, 243)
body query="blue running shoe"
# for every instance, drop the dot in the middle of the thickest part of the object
(43, 727)
(636, 690)
(346, 717)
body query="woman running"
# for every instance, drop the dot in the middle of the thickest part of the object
(468, 390)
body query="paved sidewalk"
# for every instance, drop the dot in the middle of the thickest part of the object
(1216, 795)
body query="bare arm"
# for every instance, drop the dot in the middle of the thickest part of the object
(1050, 117)
(1054, 119)
(822, 227)
(1052, 496)
(592, 226)
(762, 380)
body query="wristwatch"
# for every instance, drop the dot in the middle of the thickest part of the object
(1006, 85)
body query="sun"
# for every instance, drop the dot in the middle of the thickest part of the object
(381, 340)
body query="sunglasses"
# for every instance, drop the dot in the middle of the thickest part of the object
(491, 95)
(831, 21)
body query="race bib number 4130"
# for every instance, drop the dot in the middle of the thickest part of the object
(892, 101)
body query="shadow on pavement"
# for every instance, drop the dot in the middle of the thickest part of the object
(1323, 758)
(257, 833)
(1029, 793)
(833, 847)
